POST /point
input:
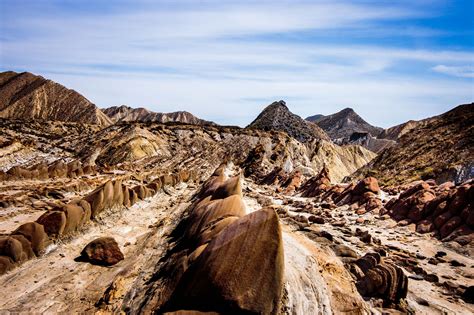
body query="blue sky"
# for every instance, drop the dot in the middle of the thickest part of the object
(225, 60)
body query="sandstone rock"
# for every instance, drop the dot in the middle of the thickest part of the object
(386, 281)
(35, 234)
(25, 244)
(425, 226)
(97, 201)
(6, 264)
(316, 219)
(416, 186)
(53, 222)
(74, 218)
(13, 248)
(232, 186)
(102, 251)
(227, 276)
(344, 251)
(450, 226)
(369, 184)
(212, 211)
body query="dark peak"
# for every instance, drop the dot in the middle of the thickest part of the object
(278, 104)
(347, 110)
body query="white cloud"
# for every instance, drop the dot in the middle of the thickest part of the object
(462, 71)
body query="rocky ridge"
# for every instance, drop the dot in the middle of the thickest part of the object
(28, 96)
(439, 148)
(125, 114)
(343, 124)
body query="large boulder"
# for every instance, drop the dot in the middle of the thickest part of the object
(102, 251)
(35, 234)
(240, 271)
(367, 184)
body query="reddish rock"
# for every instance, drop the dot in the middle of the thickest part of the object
(416, 186)
(425, 226)
(367, 184)
(102, 251)
(450, 226)
(53, 222)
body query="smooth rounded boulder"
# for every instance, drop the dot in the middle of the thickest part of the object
(102, 251)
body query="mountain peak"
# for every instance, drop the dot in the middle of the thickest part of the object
(277, 116)
(344, 123)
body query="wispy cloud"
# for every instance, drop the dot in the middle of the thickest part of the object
(462, 72)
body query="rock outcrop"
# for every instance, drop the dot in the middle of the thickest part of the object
(217, 262)
(380, 279)
(277, 117)
(128, 114)
(445, 210)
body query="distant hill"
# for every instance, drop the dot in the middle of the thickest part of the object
(278, 117)
(347, 127)
(441, 148)
(28, 96)
(126, 113)
(343, 124)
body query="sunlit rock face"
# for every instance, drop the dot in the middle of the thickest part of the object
(28, 96)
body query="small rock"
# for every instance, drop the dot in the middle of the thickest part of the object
(422, 301)
(456, 263)
(315, 219)
(440, 254)
(431, 278)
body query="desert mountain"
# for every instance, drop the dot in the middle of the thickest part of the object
(441, 148)
(343, 124)
(125, 113)
(347, 127)
(278, 117)
(28, 96)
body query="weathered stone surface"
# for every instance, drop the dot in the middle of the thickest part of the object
(53, 222)
(227, 276)
(6, 264)
(383, 280)
(232, 186)
(35, 234)
(102, 251)
(13, 248)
